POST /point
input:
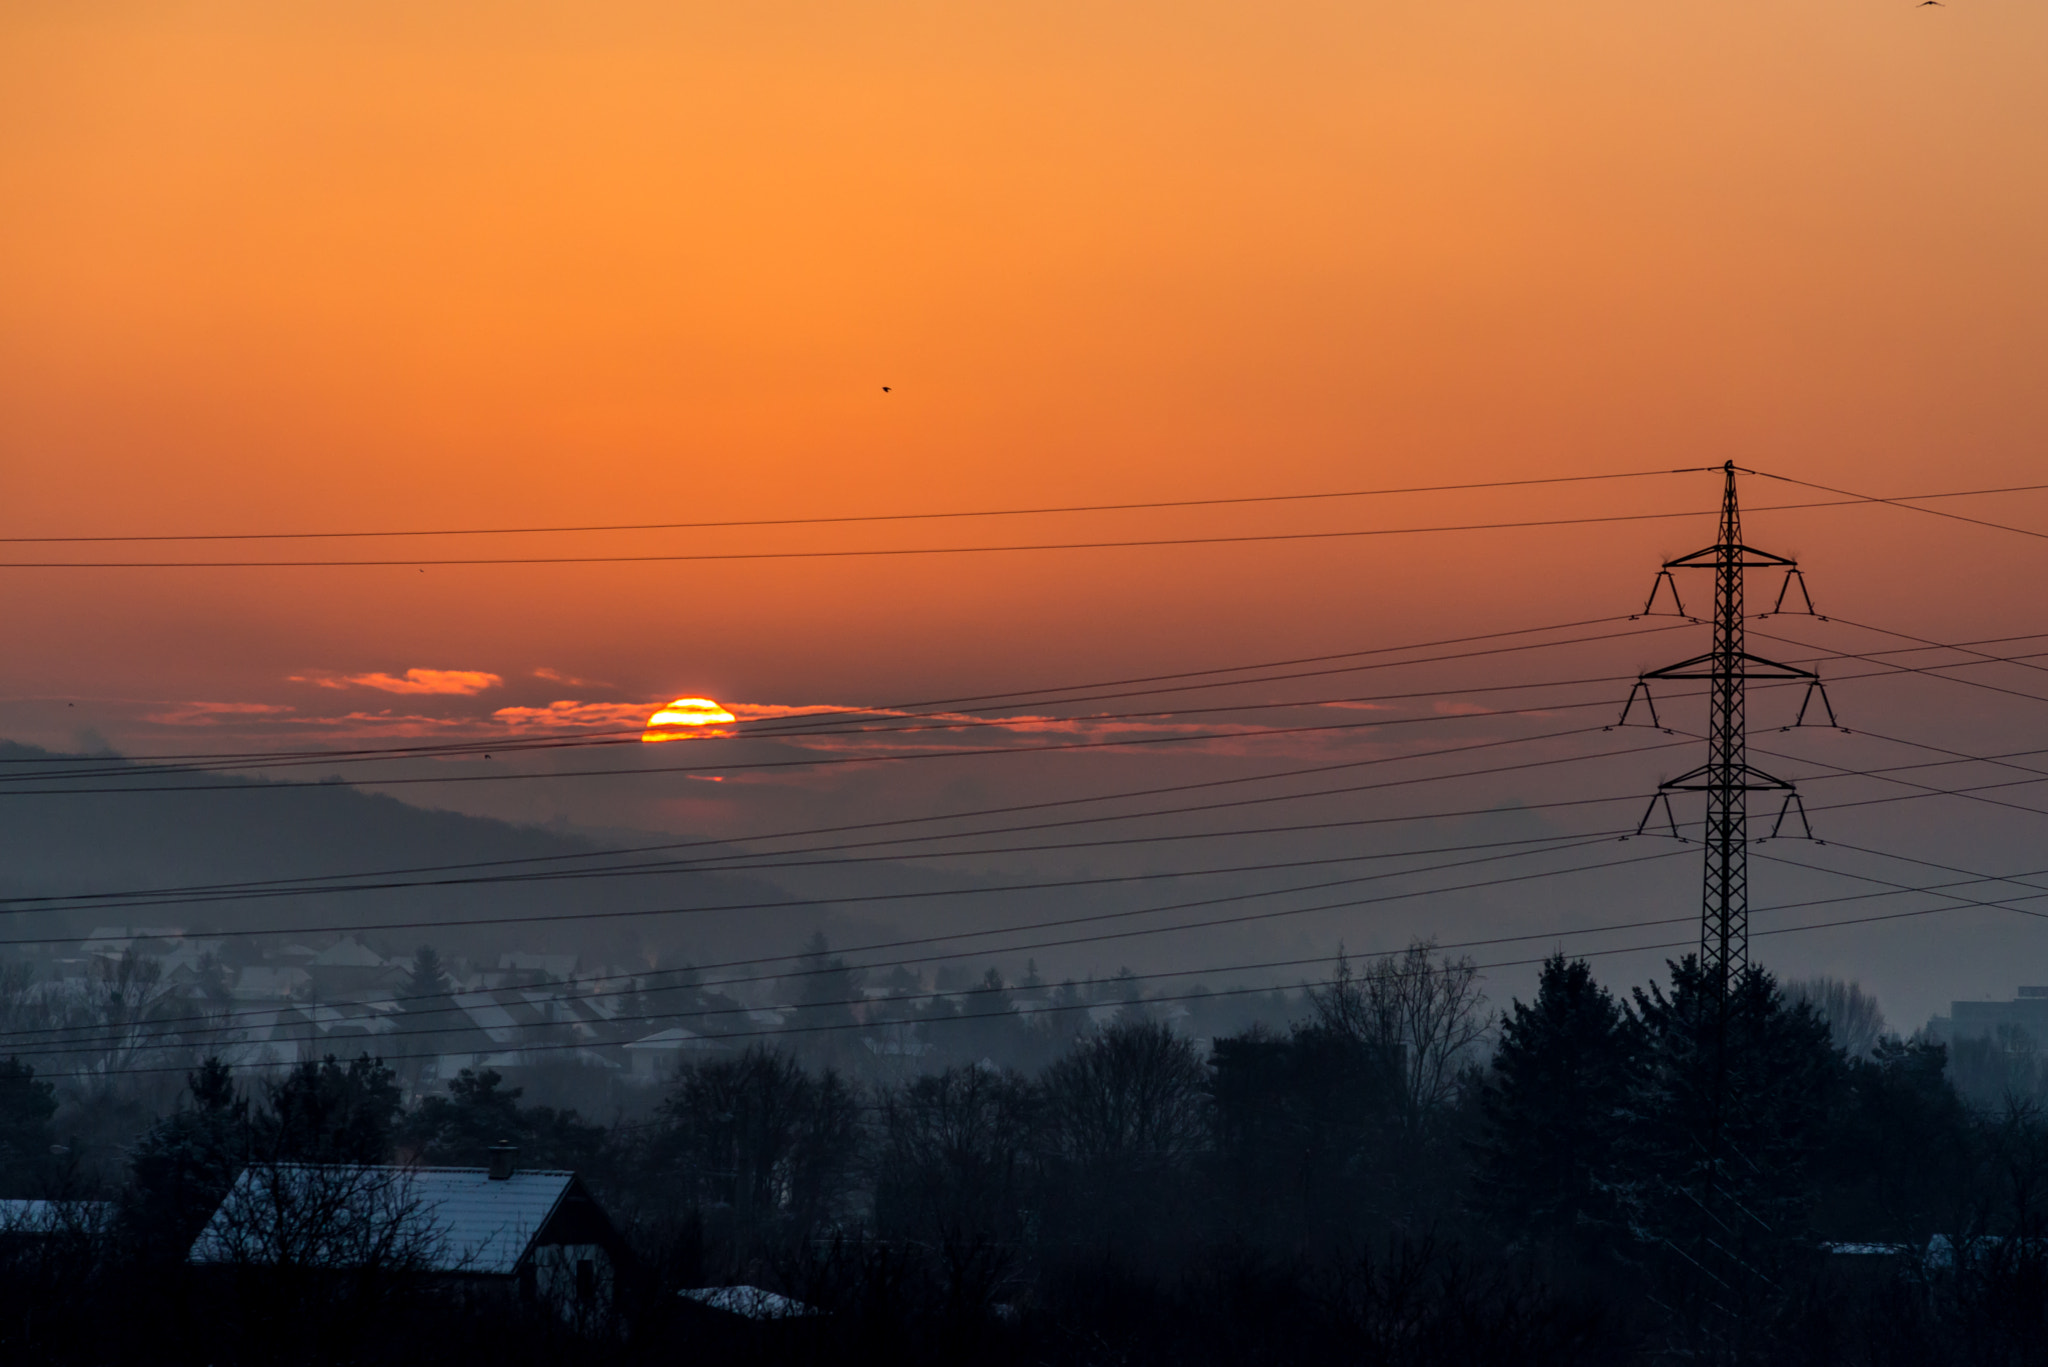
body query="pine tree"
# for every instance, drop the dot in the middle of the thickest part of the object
(331, 1112)
(428, 977)
(1724, 1122)
(26, 1106)
(1551, 1106)
(184, 1165)
(460, 1128)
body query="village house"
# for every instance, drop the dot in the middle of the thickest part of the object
(535, 1235)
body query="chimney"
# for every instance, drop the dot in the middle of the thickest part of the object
(504, 1154)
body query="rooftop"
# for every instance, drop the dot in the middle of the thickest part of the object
(445, 1219)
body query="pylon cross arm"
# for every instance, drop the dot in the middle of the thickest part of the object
(1707, 778)
(1708, 666)
(1709, 558)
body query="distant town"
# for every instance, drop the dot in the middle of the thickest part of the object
(601, 1036)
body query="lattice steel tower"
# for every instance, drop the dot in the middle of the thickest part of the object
(1727, 778)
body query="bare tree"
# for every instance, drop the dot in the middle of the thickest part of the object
(1855, 1024)
(1422, 1016)
(953, 1154)
(761, 1135)
(1133, 1093)
(356, 1217)
(952, 1173)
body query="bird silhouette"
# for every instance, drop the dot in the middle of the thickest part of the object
(885, 389)
(1925, 3)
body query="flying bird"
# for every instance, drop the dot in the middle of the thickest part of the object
(885, 389)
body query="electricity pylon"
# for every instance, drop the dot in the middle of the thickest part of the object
(1727, 778)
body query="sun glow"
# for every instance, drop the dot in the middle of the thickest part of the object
(684, 718)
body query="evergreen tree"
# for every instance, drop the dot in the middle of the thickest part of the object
(1551, 1104)
(330, 1112)
(427, 978)
(825, 986)
(460, 1128)
(430, 1013)
(826, 989)
(26, 1106)
(1723, 1123)
(1899, 1145)
(187, 1161)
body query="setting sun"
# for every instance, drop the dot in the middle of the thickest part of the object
(683, 717)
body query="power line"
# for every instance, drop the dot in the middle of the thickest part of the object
(1896, 889)
(1199, 994)
(933, 854)
(1964, 648)
(1010, 809)
(781, 860)
(1015, 698)
(1906, 501)
(1245, 538)
(125, 767)
(1892, 668)
(227, 785)
(1042, 696)
(283, 886)
(1847, 498)
(1097, 918)
(844, 518)
(471, 747)
(727, 767)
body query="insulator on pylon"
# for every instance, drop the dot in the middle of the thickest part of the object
(1792, 577)
(1669, 817)
(1650, 604)
(1642, 690)
(1793, 804)
(1816, 689)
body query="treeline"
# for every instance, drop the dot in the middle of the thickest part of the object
(1395, 1178)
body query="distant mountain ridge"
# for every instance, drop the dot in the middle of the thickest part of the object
(248, 829)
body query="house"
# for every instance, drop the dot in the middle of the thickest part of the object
(265, 982)
(41, 1220)
(750, 1302)
(2026, 1011)
(348, 967)
(107, 944)
(528, 970)
(657, 1056)
(533, 1234)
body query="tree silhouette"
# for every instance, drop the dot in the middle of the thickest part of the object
(330, 1112)
(1722, 1124)
(185, 1164)
(26, 1106)
(1551, 1106)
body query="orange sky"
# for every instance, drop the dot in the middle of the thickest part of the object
(377, 264)
(382, 264)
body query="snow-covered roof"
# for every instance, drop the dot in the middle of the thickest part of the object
(750, 1301)
(435, 1219)
(259, 980)
(54, 1217)
(488, 1015)
(675, 1039)
(115, 939)
(557, 965)
(347, 952)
